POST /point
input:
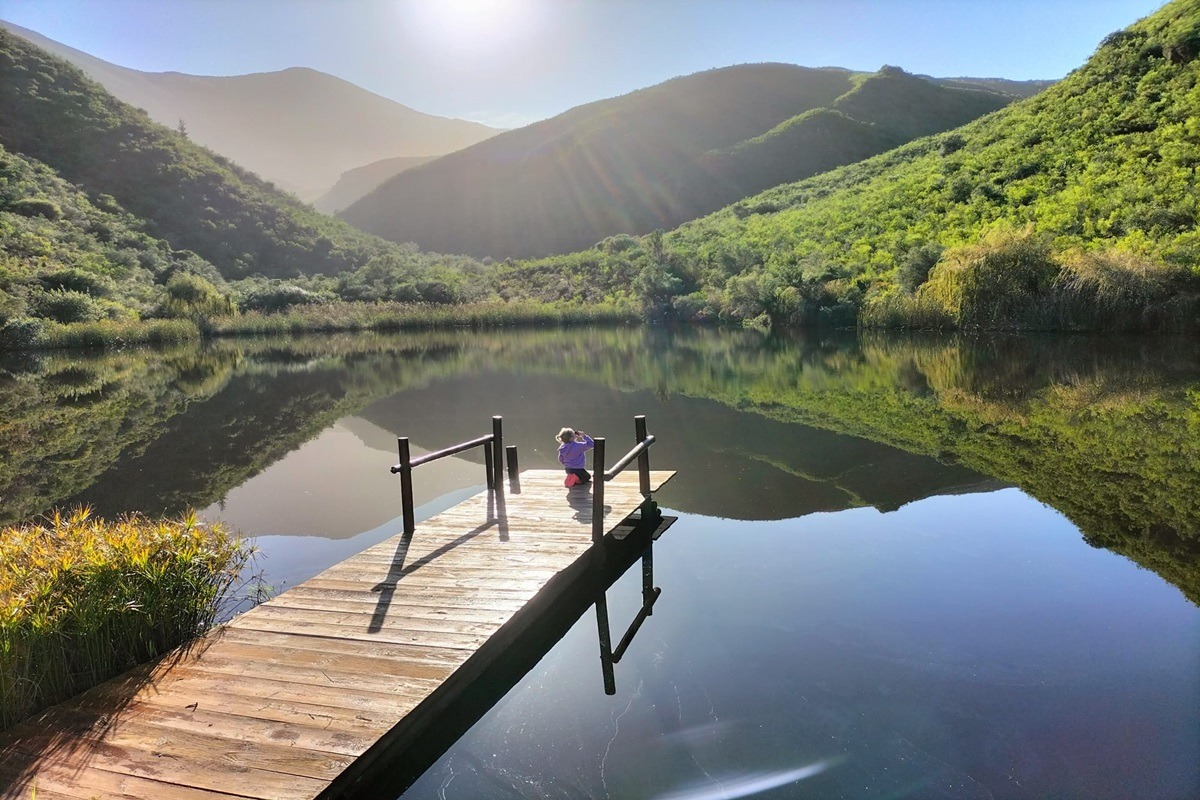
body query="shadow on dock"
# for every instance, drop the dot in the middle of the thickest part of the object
(396, 761)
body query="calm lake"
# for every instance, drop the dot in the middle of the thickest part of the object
(903, 567)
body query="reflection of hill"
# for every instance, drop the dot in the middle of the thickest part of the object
(731, 464)
(1105, 432)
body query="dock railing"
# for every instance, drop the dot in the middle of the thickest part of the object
(493, 447)
(640, 451)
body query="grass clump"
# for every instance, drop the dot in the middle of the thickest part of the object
(83, 599)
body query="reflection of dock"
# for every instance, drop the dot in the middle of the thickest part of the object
(363, 674)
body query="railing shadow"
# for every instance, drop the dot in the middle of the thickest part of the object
(393, 766)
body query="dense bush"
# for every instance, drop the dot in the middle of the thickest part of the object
(82, 599)
(64, 305)
(34, 207)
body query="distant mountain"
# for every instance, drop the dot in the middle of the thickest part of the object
(359, 182)
(202, 206)
(658, 157)
(298, 127)
(1002, 85)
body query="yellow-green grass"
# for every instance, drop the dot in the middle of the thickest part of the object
(83, 599)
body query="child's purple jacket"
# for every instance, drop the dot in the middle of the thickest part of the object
(571, 454)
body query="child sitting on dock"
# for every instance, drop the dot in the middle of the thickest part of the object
(572, 451)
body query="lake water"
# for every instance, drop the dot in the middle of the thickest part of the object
(919, 567)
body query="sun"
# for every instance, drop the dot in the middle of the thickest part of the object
(469, 24)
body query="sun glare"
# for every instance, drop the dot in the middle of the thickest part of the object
(471, 24)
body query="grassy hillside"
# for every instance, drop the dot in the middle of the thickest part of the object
(107, 216)
(1073, 209)
(299, 128)
(656, 158)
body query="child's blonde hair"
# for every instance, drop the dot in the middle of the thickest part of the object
(566, 435)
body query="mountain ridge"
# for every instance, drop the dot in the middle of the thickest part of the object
(630, 164)
(297, 142)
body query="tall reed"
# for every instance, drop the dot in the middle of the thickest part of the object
(82, 599)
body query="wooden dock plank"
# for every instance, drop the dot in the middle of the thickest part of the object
(280, 701)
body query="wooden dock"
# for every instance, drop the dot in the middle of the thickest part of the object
(369, 669)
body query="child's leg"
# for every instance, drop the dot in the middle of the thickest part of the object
(582, 474)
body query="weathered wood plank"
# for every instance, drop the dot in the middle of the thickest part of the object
(279, 702)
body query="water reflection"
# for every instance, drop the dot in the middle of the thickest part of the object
(263, 432)
(879, 566)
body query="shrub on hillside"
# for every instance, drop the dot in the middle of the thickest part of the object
(65, 305)
(1121, 291)
(193, 297)
(276, 298)
(35, 207)
(1002, 282)
(77, 280)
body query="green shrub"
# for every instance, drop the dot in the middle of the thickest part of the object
(64, 305)
(1001, 282)
(277, 298)
(78, 280)
(1120, 291)
(914, 268)
(35, 207)
(82, 599)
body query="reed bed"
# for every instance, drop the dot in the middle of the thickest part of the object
(83, 599)
(331, 317)
(111, 333)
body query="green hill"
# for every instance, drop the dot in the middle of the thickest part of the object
(188, 196)
(1073, 209)
(106, 215)
(656, 157)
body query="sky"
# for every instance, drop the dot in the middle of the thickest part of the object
(510, 62)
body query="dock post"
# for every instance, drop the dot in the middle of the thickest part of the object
(598, 491)
(511, 452)
(497, 452)
(406, 492)
(489, 468)
(639, 429)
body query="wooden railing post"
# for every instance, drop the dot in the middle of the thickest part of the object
(406, 491)
(488, 467)
(511, 452)
(598, 491)
(639, 429)
(497, 452)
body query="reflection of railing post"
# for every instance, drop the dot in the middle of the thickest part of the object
(648, 594)
(406, 491)
(606, 659)
(497, 454)
(639, 429)
(598, 492)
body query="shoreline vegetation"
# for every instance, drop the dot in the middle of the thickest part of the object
(83, 599)
(333, 317)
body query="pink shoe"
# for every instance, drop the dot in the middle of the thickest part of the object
(570, 480)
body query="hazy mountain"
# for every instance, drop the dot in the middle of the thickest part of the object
(359, 182)
(658, 157)
(195, 201)
(298, 127)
